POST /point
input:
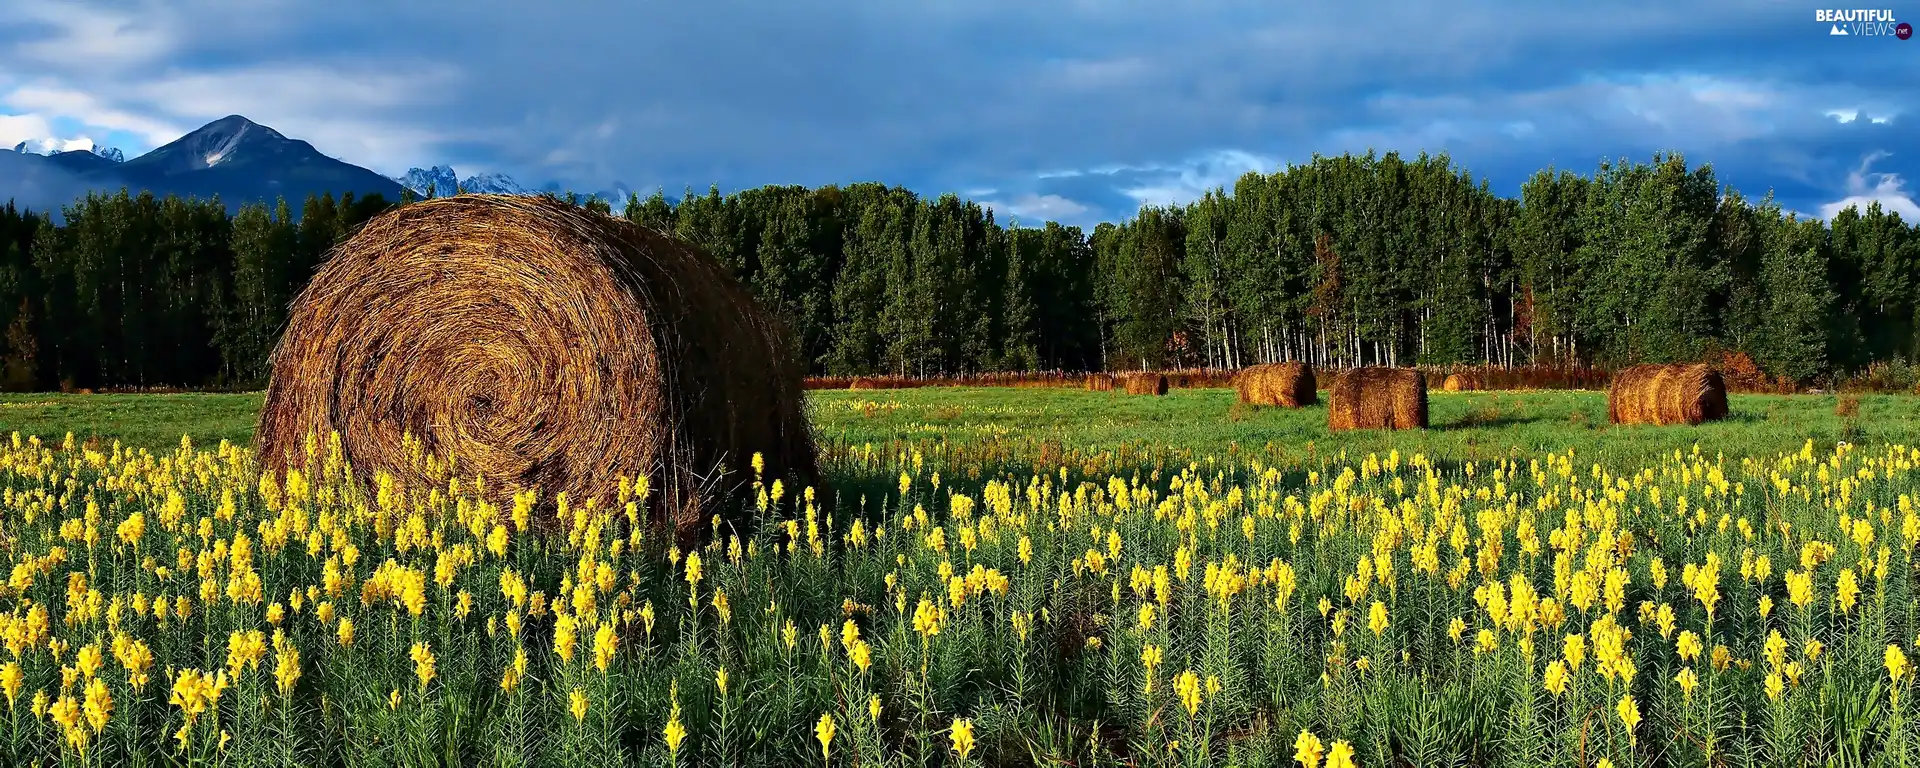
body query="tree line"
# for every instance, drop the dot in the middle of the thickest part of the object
(1374, 259)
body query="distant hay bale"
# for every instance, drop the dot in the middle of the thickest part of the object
(1146, 383)
(1462, 382)
(1099, 382)
(1287, 385)
(1681, 393)
(538, 346)
(1378, 398)
(862, 382)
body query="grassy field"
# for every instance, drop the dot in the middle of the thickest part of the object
(978, 433)
(1069, 425)
(154, 422)
(1037, 578)
(1472, 425)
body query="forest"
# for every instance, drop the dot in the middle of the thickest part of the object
(1338, 261)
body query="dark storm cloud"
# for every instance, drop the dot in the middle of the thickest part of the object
(1076, 110)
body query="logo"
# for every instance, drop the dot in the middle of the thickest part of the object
(1862, 22)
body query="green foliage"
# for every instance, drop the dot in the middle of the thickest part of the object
(1348, 260)
(1793, 275)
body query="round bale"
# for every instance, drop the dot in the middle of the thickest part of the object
(1461, 382)
(1287, 385)
(1378, 398)
(1146, 383)
(1671, 394)
(538, 346)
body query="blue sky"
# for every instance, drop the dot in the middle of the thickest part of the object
(1077, 111)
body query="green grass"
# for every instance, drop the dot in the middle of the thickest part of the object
(1200, 422)
(1026, 429)
(1465, 426)
(143, 421)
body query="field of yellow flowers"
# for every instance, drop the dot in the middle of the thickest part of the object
(180, 608)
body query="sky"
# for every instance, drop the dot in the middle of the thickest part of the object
(1078, 111)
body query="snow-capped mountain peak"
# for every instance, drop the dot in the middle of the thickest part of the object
(439, 179)
(493, 184)
(51, 147)
(445, 182)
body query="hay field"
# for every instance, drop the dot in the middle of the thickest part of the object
(1008, 577)
(1189, 423)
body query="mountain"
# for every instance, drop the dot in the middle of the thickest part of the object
(85, 161)
(234, 158)
(240, 161)
(51, 147)
(243, 161)
(445, 183)
(493, 184)
(438, 180)
(37, 183)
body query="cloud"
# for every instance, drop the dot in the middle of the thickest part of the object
(1864, 188)
(1031, 208)
(91, 110)
(1082, 109)
(76, 35)
(1184, 182)
(18, 128)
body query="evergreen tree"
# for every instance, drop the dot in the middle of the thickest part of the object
(1799, 301)
(1019, 350)
(1343, 260)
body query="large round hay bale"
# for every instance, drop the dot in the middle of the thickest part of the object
(1461, 382)
(1287, 385)
(1378, 398)
(1680, 393)
(1146, 383)
(1099, 382)
(862, 382)
(539, 346)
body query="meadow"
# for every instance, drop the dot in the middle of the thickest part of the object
(995, 576)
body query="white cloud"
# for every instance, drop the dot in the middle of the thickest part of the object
(1180, 183)
(1864, 188)
(299, 89)
(18, 128)
(1689, 110)
(1886, 115)
(1040, 207)
(345, 112)
(47, 146)
(48, 102)
(85, 36)
(937, 96)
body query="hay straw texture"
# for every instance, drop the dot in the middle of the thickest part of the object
(539, 346)
(1378, 398)
(1146, 383)
(1684, 393)
(1287, 385)
(1099, 382)
(1461, 382)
